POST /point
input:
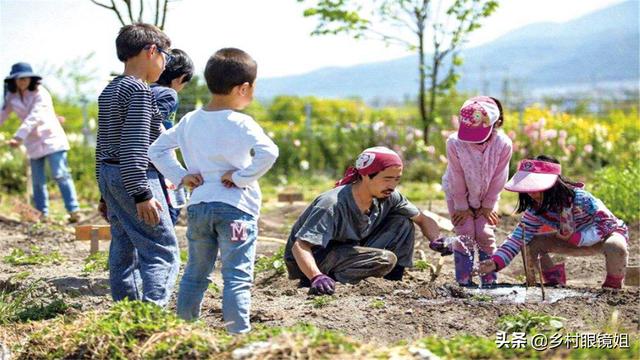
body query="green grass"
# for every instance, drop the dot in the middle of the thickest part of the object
(97, 262)
(530, 322)
(22, 306)
(33, 257)
(139, 330)
(20, 276)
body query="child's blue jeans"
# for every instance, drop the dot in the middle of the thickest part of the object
(143, 259)
(214, 226)
(62, 175)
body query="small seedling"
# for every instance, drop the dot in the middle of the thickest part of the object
(530, 322)
(322, 301)
(481, 297)
(423, 265)
(34, 257)
(96, 262)
(274, 262)
(184, 256)
(378, 304)
(214, 288)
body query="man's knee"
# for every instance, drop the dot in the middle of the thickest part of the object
(387, 259)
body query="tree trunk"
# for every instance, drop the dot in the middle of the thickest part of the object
(430, 113)
(422, 93)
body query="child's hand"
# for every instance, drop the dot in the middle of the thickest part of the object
(149, 211)
(459, 216)
(102, 209)
(169, 185)
(15, 142)
(192, 180)
(226, 179)
(486, 266)
(491, 216)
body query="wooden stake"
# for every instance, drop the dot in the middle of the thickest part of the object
(541, 279)
(95, 241)
(529, 274)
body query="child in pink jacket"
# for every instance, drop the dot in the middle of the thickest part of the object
(478, 168)
(43, 136)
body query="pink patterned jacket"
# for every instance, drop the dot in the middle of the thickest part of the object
(40, 130)
(476, 173)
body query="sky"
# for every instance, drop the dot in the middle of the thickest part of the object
(51, 33)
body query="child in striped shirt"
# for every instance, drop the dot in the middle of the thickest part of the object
(143, 255)
(575, 223)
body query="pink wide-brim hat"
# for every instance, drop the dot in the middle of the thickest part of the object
(534, 176)
(477, 117)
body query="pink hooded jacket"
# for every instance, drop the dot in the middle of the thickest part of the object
(476, 173)
(40, 130)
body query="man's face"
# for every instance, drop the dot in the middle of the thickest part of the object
(384, 183)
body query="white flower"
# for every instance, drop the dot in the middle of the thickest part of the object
(296, 143)
(304, 165)
(92, 123)
(271, 134)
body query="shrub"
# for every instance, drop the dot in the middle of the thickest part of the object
(618, 189)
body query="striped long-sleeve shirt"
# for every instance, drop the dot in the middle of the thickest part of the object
(128, 122)
(588, 221)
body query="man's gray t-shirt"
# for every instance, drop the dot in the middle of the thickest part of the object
(334, 217)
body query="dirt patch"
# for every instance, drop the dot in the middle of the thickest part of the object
(374, 310)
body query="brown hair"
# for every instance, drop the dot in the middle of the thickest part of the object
(133, 38)
(228, 68)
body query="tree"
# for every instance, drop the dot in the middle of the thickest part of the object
(410, 23)
(135, 13)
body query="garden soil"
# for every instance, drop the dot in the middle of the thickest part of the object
(374, 310)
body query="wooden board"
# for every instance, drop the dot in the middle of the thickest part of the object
(290, 197)
(83, 232)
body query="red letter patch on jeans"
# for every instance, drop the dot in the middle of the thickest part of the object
(238, 231)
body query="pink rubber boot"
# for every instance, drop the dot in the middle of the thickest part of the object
(555, 276)
(613, 282)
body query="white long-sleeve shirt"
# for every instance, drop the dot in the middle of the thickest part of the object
(212, 143)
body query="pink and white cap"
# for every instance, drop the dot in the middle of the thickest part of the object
(477, 117)
(534, 176)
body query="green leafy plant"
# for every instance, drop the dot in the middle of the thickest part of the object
(321, 301)
(423, 265)
(481, 297)
(214, 288)
(618, 189)
(529, 322)
(33, 257)
(274, 263)
(96, 262)
(377, 304)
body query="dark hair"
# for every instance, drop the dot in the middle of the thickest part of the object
(13, 88)
(133, 38)
(559, 196)
(181, 64)
(501, 117)
(228, 68)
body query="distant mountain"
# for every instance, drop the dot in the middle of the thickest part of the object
(598, 49)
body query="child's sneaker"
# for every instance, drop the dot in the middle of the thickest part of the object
(74, 217)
